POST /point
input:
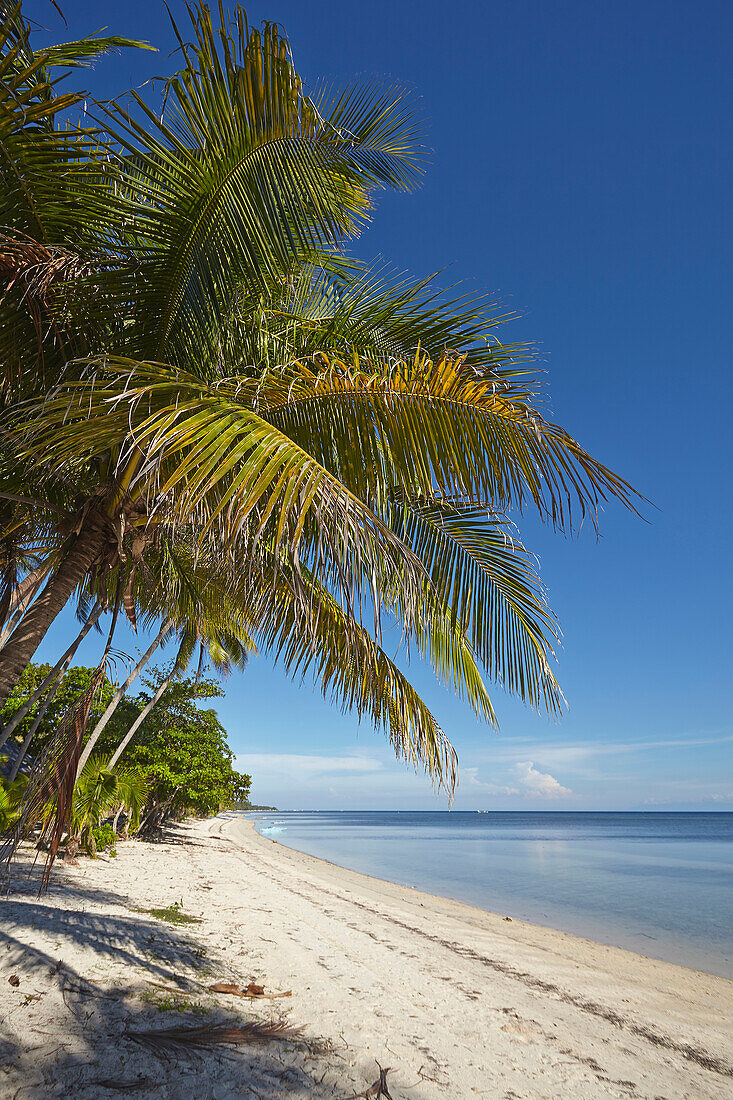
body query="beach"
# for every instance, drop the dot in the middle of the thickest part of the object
(456, 1001)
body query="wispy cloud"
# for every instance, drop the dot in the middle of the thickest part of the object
(572, 753)
(725, 796)
(343, 780)
(293, 765)
(470, 777)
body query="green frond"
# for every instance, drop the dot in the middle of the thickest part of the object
(241, 176)
(132, 790)
(492, 586)
(206, 458)
(427, 424)
(95, 793)
(56, 208)
(360, 308)
(81, 54)
(307, 632)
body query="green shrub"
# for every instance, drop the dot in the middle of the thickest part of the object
(105, 838)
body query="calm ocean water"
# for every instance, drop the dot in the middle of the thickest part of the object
(657, 883)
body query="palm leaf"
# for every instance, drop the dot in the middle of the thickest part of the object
(242, 175)
(491, 584)
(210, 460)
(349, 307)
(306, 630)
(428, 423)
(206, 1036)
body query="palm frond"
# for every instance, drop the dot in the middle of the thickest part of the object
(211, 460)
(82, 52)
(305, 629)
(206, 1036)
(425, 424)
(241, 176)
(351, 307)
(492, 586)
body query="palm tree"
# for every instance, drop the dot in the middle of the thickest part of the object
(98, 792)
(11, 796)
(132, 791)
(214, 370)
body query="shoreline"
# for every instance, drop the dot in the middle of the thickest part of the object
(544, 960)
(459, 1002)
(529, 925)
(668, 951)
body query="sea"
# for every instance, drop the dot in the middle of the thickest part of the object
(660, 884)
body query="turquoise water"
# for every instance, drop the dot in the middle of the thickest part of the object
(657, 883)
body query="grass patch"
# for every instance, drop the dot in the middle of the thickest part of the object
(173, 914)
(175, 1003)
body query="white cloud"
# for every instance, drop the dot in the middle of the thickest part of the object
(540, 784)
(531, 783)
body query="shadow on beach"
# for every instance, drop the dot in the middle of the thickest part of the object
(75, 983)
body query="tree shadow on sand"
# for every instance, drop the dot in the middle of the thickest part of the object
(67, 1033)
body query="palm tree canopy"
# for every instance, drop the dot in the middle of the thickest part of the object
(194, 366)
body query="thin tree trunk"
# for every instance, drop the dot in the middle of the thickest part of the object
(119, 695)
(30, 632)
(63, 660)
(20, 600)
(39, 718)
(137, 723)
(155, 815)
(146, 711)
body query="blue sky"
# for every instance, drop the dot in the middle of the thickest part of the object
(580, 168)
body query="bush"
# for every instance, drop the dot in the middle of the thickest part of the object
(105, 838)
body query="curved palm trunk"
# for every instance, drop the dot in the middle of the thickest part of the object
(118, 697)
(61, 663)
(30, 632)
(146, 711)
(39, 718)
(138, 722)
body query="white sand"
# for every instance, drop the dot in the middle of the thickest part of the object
(459, 1002)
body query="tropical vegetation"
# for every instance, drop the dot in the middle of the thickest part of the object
(219, 423)
(180, 762)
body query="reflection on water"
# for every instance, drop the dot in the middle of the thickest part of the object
(656, 883)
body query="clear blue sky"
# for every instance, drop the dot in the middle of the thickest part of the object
(581, 168)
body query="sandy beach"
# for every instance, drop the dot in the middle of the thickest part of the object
(457, 1002)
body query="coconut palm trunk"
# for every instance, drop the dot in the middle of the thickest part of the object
(138, 722)
(31, 630)
(146, 710)
(62, 663)
(119, 696)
